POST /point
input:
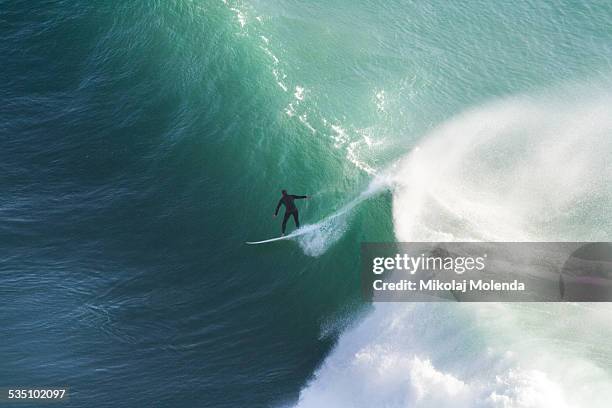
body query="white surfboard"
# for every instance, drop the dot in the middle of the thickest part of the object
(270, 240)
(297, 232)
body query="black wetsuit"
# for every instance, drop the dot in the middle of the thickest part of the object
(290, 209)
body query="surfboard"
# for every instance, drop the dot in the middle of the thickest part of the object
(269, 240)
(297, 232)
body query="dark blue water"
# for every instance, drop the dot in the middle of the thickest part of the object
(128, 191)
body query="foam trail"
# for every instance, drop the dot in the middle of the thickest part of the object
(315, 239)
(521, 169)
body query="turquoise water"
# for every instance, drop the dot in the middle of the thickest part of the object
(144, 142)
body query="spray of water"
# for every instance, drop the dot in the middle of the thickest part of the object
(521, 170)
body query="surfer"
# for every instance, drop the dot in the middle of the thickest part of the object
(290, 209)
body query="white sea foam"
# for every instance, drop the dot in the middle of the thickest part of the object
(448, 355)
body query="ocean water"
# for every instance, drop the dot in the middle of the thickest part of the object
(142, 143)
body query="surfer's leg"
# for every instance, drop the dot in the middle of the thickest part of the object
(296, 219)
(285, 218)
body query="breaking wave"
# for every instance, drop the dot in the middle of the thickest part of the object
(526, 168)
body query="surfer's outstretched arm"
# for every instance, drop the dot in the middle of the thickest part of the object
(278, 207)
(296, 197)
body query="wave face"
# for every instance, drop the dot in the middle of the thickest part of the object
(523, 169)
